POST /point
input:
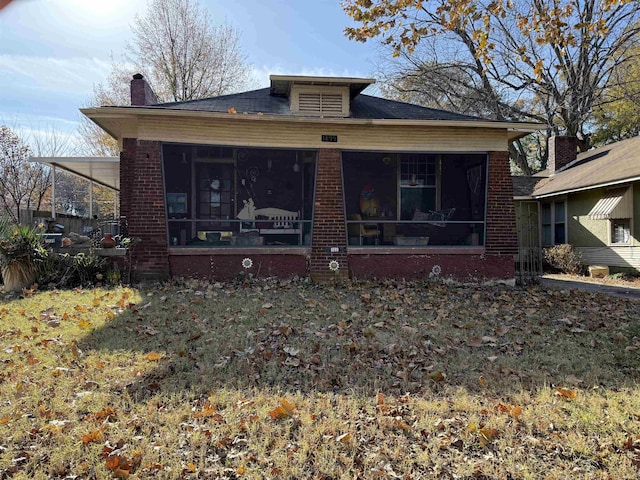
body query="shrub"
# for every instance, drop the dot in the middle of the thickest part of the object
(564, 258)
(62, 270)
(21, 255)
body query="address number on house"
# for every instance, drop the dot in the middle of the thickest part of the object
(330, 138)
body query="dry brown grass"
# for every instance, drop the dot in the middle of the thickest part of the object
(287, 380)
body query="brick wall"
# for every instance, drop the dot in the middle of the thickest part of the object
(501, 218)
(562, 150)
(328, 220)
(460, 267)
(142, 203)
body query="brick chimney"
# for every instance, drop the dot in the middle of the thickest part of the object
(562, 151)
(141, 92)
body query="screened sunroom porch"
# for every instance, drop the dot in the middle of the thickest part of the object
(415, 199)
(238, 197)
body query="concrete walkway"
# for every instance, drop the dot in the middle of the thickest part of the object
(559, 281)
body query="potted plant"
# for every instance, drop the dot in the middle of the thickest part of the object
(20, 252)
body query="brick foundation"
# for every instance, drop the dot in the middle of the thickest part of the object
(229, 266)
(459, 267)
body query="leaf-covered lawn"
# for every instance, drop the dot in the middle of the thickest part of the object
(288, 380)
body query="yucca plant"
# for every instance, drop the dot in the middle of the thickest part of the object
(21, 251)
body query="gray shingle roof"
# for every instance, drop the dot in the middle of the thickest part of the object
(605, 165)
(362, 106)
(524, 186)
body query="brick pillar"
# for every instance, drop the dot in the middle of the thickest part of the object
(328, 220)
(142, 202)
(501, 218)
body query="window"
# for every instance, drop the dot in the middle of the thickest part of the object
(559, 230)
(554, 223)
(620, 230)
(417, 185)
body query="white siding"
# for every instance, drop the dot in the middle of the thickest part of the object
(611, 256)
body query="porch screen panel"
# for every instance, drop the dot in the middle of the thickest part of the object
(415, 199)
(220, 196)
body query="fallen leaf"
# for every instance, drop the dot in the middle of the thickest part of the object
(502, 330)
(83, 323)
(487, 435)
(285, 410)
(566, 393)
(93, 437)
(153, 356)
(512, 410)
(475, 342)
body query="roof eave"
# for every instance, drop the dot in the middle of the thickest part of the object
(515, 129)
(588, 187)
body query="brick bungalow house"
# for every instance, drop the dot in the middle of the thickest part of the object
(310, 173)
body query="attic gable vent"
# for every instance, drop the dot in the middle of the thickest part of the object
(331, 103)
(320, 100)
(310, 103)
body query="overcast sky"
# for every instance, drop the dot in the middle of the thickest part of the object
(52, 52)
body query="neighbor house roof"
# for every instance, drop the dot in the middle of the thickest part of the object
(609, 165)
(523, 187)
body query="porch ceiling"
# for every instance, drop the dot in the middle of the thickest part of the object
(101, 170)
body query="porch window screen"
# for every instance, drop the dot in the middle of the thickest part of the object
(408, 199)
